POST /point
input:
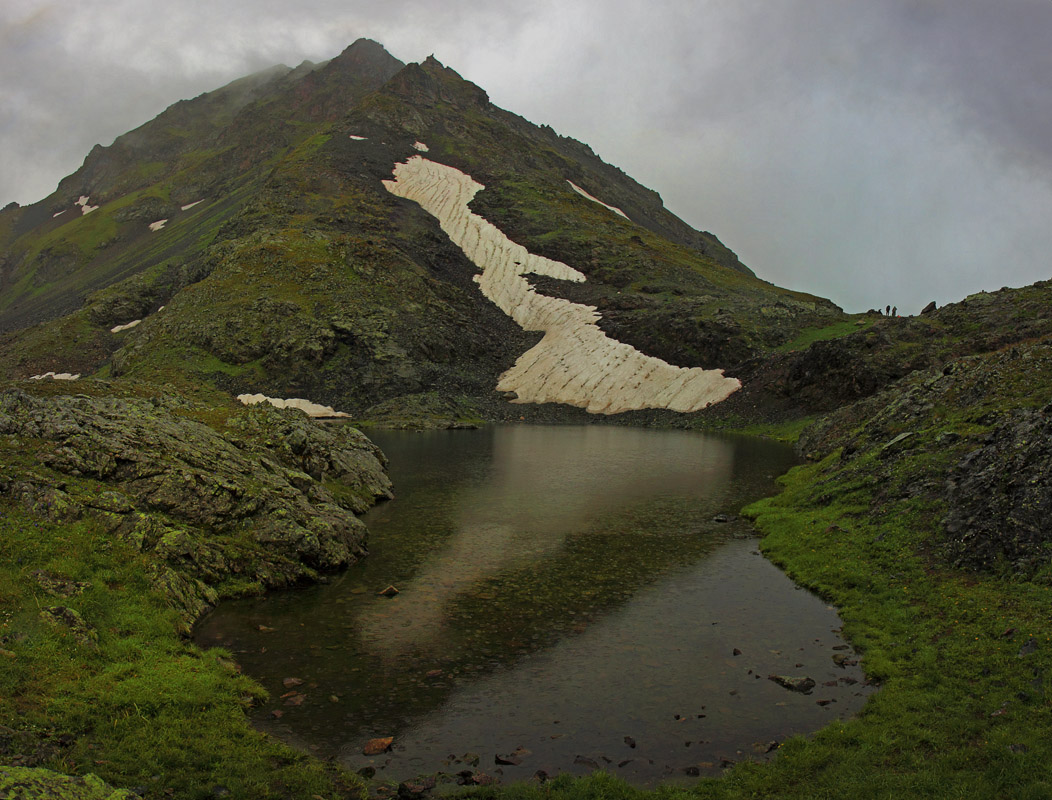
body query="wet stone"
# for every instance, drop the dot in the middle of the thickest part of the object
(374, 747)
(803, 685)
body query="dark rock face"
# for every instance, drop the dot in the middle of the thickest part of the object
(1000, 497)
(829, 375)
(147, 209)
(835, 372)
(269, 498)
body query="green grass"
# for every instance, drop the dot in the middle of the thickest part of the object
(959, 713)
(809, 336)
(779, 431)
(144, 707)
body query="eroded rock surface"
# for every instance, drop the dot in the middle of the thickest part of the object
(1000, 496)
(969, 437)
(264, 496)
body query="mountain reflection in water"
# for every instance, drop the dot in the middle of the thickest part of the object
(545, 485)
(560, 589)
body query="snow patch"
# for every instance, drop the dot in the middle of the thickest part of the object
(188, 206)
(583, 193)
(58, 214)
(575, 362)
(306, 406)
(83, 201)
(125, 326)
(156, 226)
(423, 148)
(56, 376)
(358, 138)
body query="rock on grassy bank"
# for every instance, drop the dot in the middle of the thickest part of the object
(227, 500)
(19, 783)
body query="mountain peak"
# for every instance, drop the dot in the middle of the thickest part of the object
(431, 80)
(366, 53)
(194, 210)
(366, 62)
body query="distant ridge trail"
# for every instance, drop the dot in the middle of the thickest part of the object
(575, 363)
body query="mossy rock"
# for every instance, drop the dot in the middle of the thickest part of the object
(21, 783)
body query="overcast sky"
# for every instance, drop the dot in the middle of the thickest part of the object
(871, 151)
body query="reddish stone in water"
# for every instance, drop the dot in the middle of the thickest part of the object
(374, 747)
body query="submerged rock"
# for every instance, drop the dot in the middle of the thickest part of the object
(374, 747)
(803, 685)
(514, 758)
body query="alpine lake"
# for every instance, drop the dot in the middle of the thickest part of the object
(569, 598)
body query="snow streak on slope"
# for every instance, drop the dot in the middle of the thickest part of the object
(583, 193)
(308, 407)
(575, 363)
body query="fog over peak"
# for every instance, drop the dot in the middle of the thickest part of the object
(871, 151)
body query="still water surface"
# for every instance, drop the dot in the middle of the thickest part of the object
(563, 591)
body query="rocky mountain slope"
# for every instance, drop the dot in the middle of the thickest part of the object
(126, 511)
(250, 234)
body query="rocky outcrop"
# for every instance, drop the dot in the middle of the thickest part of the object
(221, 498)
(974, 437)
(1000, 496)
